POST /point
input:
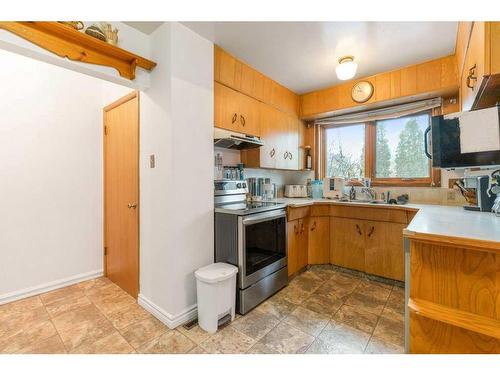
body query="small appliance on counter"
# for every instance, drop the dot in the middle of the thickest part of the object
(475, 191)
(333, 187)
(296, 191)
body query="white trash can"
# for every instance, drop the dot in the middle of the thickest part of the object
(216, 291)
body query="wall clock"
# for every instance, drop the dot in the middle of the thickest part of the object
(362, 92)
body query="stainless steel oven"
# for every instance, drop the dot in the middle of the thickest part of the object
(253, 237)
(262, 247)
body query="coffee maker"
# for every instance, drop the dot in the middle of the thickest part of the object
(484, 199)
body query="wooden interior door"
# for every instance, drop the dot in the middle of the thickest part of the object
(121, 193)
(347, 243)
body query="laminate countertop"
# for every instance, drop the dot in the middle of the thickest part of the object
(446, 222)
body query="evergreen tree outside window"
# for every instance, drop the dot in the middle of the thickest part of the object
(393, 153)
(399, 150)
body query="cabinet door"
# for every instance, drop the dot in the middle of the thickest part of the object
(227, 69)
(292, 142)
(280, 126)
(347, 243)
(269, 135)
(293, 256)
(248, 118)
(302, 243)
(247, 80)
(226, 107)
(319, 240)
(384, 250)
(473, 66)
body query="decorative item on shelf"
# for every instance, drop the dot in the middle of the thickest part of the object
(96, 32)
(308, 165)
(110, 33)
(77, 25)
(346, 68)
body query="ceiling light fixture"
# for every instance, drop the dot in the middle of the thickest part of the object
(346, 68)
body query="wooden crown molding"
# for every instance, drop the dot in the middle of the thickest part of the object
(69, 43)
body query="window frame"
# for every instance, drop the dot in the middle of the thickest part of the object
(434, 178)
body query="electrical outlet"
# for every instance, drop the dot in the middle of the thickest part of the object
(451, 195)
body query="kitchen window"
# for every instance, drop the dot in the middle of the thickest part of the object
(389, 151)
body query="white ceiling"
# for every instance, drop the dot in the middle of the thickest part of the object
(144, 27)
(302, 55)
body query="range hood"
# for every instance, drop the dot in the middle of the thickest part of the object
(236, 141)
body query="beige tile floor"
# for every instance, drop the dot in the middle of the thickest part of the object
(323, 310)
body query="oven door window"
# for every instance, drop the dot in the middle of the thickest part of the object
(265, 243)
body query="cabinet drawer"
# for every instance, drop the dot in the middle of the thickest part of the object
(393, 215)
(297, 213)
(320, 210)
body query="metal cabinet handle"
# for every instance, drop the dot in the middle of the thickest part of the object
(302, 228)
(132, 205)
(273, 151)
(285, 155)
(235, 117)
(313, 227)
(291, 155)
(371, 231)
(242, 120)
(471, 77)
(295, 229)
(358, 229)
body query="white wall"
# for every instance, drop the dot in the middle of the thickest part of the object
(51, 175)
(176, 196)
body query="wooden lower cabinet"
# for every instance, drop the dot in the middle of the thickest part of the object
(297, 245)
(375, 247)
(372, 246)
(384, 251)
(347, 243)
(319, 240)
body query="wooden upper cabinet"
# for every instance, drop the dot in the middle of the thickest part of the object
(235, 111)
(436, 76)
(249, 119)
(226, 70)
(409, 81)
(243, 78)
(428, 77)
(480, 75)
(226, 108)
(383, 86)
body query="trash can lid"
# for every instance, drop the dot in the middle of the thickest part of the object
(215, 272)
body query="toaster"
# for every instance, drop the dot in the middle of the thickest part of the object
(296, 191)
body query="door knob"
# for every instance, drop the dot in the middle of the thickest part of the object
(132, 205)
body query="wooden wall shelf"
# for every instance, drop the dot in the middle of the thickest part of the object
(67, 42)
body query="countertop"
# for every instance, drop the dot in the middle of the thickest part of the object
(431, 220)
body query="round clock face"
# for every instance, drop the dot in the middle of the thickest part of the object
(362, 91)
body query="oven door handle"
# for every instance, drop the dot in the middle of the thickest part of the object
(265, 216)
